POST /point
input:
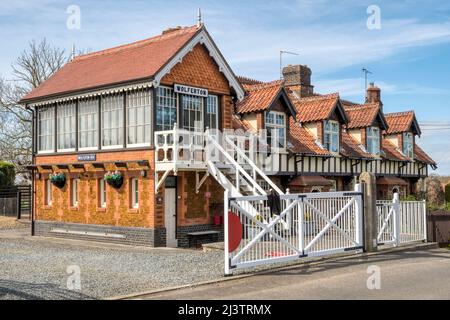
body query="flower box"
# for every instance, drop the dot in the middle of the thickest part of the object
(114, 179)
(58, 179)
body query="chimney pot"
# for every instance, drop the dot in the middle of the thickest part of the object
(298, 79)
(373, 94)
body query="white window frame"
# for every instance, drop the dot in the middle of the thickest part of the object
(141, 99)
(120, 124)
(102, 193)
(167, 101)
(50, 120)
(134, 183)
(62, 129)
(373, 135)
(48, 192)
(276, 126)
(333, 135)
(81, 119)
(409, 138)
(212, 102)
(74, 192)
(188, 105)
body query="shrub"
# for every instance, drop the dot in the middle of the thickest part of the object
(447, 192)
(409, 198)
(7, 174)
(447, 206)
(435, 192)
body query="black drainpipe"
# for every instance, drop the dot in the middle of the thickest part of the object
(33, 148)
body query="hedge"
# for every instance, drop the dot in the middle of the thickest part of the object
(7, 174)
(447, 193)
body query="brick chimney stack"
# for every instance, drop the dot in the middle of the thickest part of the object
(373, 94)
(298, 79)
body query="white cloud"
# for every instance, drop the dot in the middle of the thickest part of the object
(328, 48)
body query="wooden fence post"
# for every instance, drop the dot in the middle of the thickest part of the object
(370, 211)
(19, 204)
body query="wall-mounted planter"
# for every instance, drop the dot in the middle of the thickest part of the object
(115, 179)
(58, 180)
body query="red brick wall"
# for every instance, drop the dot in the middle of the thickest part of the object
(198, 69)
(197, 208)
(118, 211)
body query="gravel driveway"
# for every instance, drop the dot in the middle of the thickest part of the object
(36, 268)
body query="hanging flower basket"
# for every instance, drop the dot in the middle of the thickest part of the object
(58, 179)
(114, 179)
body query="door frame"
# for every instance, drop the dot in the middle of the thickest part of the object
(176, 205)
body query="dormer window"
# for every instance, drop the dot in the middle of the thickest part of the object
(276, 129)
(331, 136)
(408, 145)
(373, 140)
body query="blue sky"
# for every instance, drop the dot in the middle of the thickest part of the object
(409, 55)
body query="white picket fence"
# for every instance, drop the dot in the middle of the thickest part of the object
(401, 221)
(313, 224)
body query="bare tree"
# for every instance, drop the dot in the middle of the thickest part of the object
(35, 65)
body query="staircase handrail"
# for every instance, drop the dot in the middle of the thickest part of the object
(254, 166)
(235, 164)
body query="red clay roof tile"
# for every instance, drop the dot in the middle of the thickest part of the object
(135, 61)
(351, 148)
(259, 97)
(315, 108)
(361, 116)
(390, 152)
(422, 156)
(399, 122)
(304, 142)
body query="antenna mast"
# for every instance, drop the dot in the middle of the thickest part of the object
(366, 73)
(281, 60)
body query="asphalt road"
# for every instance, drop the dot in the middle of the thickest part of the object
(418, 274)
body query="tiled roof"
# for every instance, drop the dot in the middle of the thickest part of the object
(399, 122)
(304, 142)
(135, 61)
(248, 81)
(315, 108)
(351, 148)
(390, 152)
(361, 116)
(422, 156)
(242, 124)
(259, 97)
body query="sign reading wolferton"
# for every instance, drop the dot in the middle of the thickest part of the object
(87, 157)
(179, 88)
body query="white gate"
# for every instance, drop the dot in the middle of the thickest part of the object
(306, 225)
(401, 221)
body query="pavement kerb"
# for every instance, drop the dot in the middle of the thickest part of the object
(310, 262)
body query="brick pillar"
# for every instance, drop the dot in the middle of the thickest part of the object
(368, 180)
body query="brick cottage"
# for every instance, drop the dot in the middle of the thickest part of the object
(121, 141)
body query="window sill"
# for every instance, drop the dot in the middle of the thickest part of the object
(101, 210)
(133, 210)
(119, 146)
(46, 152)
(47, 207)
(74, 208)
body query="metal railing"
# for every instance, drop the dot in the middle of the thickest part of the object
(314, 224)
